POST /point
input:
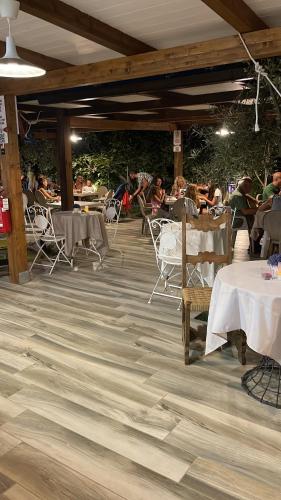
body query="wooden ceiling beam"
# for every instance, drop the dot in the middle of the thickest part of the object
(148, 85)
(103, 125)
(264, 43)
(72, 19)
(238, 14)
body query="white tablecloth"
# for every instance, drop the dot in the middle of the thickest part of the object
(242, 299)
(196, 241)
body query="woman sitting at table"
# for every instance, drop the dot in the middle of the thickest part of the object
(192, 194)
(88, 188)
(214, 196)
(43, 188)
(157, 195)
(179, 187)
(79, 183)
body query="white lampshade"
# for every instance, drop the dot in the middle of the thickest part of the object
(12, 66)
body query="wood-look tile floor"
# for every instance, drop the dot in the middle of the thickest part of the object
(95, 402)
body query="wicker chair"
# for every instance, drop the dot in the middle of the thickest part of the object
(198, 299)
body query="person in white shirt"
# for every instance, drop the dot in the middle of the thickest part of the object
(214, 197)
(88, 188)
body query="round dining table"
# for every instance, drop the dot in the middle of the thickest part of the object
(79, 226)
(243, 300)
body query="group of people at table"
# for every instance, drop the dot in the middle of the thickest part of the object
(205, 196)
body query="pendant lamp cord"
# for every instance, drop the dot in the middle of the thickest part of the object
(260, 72)
(9, 25)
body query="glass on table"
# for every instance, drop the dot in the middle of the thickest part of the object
(266, 273)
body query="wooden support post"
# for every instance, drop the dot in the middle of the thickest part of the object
(11, 177)
(65, 160)
(178, 157)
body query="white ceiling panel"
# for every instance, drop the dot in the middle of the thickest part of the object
(211, 89)
(34, 34)
(160, 23)
(193, 108)
(268, 10)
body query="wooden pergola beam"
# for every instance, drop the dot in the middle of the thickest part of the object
(71, 19)
(103, 125)
(148, 85)
(264, 43)
(238, 14)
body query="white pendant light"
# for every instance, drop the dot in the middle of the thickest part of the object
(12, 65)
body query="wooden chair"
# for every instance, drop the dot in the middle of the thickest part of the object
(198, 299)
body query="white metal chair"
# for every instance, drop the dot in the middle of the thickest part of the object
(167, 240)
(166, 267)
(112, 211)
(40, 221)
(102, 191)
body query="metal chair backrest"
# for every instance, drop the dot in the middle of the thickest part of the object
(156, 231)
(272, 224)
(40, 220)
(112, 210)
(177, 208)
(217, 210)
(207, 223)
(109, 195)
(102, 191)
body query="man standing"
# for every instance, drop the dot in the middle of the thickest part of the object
(273, 188)
(144, 180)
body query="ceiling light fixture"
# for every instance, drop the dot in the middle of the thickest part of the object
(75, 138)
(12, 65)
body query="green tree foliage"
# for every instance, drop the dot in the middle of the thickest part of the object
(244, 152)
(104, 157)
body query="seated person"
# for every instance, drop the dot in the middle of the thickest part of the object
(43, 188)
(214, 196)
(88, 187)
(144, 181)
(273, 188)
(191, 193)
(79, 183)
(179, 187)
(241, 201)
(157, 195)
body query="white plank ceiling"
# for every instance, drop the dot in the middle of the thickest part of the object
(160, 23)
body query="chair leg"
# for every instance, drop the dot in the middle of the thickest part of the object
(186, 331)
